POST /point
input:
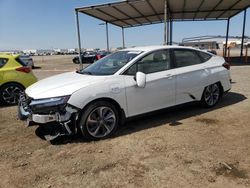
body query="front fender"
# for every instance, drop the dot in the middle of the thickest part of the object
(112, 89)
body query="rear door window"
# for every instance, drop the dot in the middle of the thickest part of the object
(186, 57)
(3, 61)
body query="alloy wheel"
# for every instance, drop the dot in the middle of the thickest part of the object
(11, 94)
(212, 94)
(101, 121)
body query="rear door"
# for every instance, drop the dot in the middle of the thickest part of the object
(191, 75)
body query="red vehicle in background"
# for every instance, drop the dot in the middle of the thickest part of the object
(101, 54)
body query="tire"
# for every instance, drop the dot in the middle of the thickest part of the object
(99, 120)
(211, 95)
(10, 93)
(76, 60)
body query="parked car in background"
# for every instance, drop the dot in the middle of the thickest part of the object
(27, 60)
(101, 54)
(130, 82)
(89, 57)
(15, 76)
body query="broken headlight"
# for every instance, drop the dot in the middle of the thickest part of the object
(49, 105)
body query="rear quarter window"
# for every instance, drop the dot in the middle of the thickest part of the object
(20, 61)
(186, 57)
(204, 56)
(3, 61)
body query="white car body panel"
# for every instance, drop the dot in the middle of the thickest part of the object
(163, 89)
(61, 85)
(158, 93)
(190, 81)
(111, 87)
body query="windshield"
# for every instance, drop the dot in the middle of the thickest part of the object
(110, 64)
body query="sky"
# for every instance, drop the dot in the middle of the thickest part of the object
(48, 24)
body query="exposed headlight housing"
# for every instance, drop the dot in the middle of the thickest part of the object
(49, 105)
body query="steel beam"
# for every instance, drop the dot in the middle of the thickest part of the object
(214, 8)
(139, 12)
(153, 9)
(171, 32)
(125, 14)
(230, 8)
(79, 40)
(168, 30)
(243, 34)
(225, 51)
(165, 22)
(107, 36)
(123, 40)
(183, 8)
(111, 16)
(162, 14)
(198, 10)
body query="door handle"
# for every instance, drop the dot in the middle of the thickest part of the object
(169, 76)
(205, 69)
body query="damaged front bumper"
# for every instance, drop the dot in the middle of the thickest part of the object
(64, 115)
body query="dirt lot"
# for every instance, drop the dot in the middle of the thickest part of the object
(183, 147)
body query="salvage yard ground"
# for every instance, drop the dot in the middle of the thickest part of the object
(188, 146)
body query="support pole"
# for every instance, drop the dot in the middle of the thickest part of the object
(165, 22)
(79, 40)
(225, 51)
(171, 32)
(246, 55)
(168, 33)
(107, 35)
(123, 41)
(243, 35)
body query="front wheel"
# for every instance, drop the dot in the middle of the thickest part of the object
(99, 120)
(10, 93)
(211, 95)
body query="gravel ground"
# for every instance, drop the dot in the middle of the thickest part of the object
(188, 146)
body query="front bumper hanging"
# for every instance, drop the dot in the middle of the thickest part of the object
(66, 120)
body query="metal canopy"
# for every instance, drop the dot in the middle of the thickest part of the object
(133, 13)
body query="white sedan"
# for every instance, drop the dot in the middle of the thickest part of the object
(130, 82)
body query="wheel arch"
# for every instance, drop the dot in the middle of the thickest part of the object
(12, 82)
(221, 87)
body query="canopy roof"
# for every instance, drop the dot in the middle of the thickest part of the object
(133, 13)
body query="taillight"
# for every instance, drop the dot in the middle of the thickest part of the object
(98, 57)
(226, 65)
(24, 69)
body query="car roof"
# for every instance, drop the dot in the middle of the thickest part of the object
(151, 48)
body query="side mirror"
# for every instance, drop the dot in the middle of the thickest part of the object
(140, 79)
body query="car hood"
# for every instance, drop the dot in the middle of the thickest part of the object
(61, 85)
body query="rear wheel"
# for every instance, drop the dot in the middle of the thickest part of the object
(10, 93)
(211, 95)
(76, 61)
(99, 120)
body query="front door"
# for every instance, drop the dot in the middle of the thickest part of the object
(159, 91)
